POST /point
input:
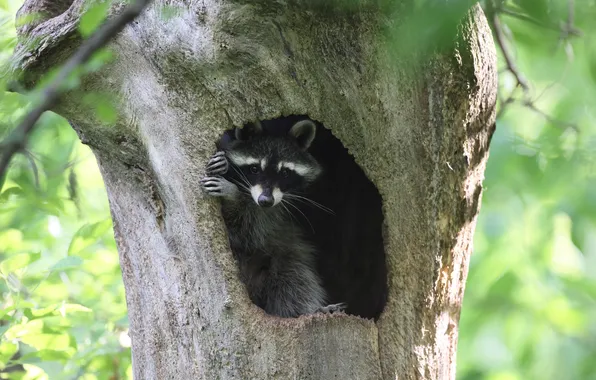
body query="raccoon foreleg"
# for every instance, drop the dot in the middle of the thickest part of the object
(213, 183)
(219, 187)
(217, 164)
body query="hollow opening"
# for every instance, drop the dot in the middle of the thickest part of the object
(303, 213)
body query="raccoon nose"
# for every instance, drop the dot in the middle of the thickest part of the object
(265, 200)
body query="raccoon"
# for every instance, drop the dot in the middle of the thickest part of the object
(341, 215)
(256, 176)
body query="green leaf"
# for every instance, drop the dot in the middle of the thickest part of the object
(98, 60)
(4, 328)
(45, 355)
(106, 112)
(33, 314)
(7, 350)
(88, 235)
(20, 306)
(44, 341)
(10, 240)
(68, 262)
(17, 331)
(28, 18)
(73, 307)
(18, 261)
(53, 310)
(94, 16)
(6, 194)
(103, 105)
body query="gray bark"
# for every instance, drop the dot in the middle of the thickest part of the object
(180, 80)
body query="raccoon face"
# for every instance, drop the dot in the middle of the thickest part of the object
(270, 178)
(267, 167)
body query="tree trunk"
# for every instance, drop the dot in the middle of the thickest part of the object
(187, 70)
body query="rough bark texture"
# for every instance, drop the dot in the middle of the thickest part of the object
(181, 79)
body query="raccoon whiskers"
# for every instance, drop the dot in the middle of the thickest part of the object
(288, 210)
(242, 182)
(297, 209)
(241, 186)
(308, 200)
(242, 176)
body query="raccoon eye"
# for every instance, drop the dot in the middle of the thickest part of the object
(284, 173)
(254, 169)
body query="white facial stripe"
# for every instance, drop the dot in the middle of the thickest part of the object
(255, 192)
(287, 165)
(263, 164)
(300, 169)
(277, 195)
(241, 160)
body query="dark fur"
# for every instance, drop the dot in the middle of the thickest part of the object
(349, 241)
(277, 263)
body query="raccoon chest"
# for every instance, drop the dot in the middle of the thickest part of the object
(256, 231)
(254, 270)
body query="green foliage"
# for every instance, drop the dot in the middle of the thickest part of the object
(530, 305)
(93, 17)
(63, 311)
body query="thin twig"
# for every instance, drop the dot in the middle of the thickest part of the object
(550, 119)
(16, 141)
(524, 17)
(505, 102)
(501, 41)
(552, 84)
(568, 30)
(493, 12)
(570, 15)
(531, 106)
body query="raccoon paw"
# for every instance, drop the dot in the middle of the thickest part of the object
(333, 308)
(218, 187)
(217, 164)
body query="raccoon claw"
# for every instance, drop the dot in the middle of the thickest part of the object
(218, 187)
(334, 308)
(217, 164)
(212, 185)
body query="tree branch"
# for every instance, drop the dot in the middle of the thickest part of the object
(493, 11)
(511, 66)
(568, 30)
(550, 119)
(17, 140)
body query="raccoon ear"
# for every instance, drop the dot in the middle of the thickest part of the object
(304, 132)
(226, 139)
(249, 130)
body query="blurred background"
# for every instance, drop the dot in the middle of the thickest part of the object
(530, 304)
